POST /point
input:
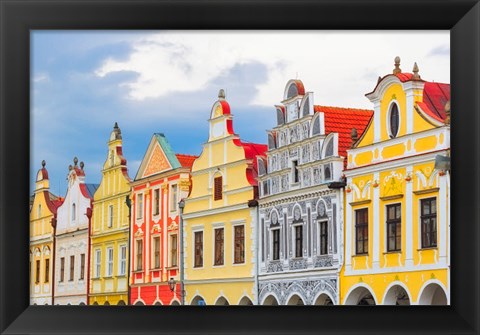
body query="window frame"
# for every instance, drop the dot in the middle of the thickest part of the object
(173, 197)
(275, 243)
(393, 104)
(239, 258)
(216, 248)
(156, 202)
(396, 223)
(295, 172)
(98, 263)
(296, 239)
(156, 252)
(323, 238)
(122, 259)
(198, 245)
(62, 269)
(429, 217)
(109, 262)
(139, 255)
(47, 270)
(110, 216)
(72, 268)
(173, 250)
(37, 271)
(365, 227)
(82, 267)
(139, 205)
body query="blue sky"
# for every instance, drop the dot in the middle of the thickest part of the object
(82, 82)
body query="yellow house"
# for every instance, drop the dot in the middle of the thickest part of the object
(220, 217)
(42, 215)
(110, 230)
(397, 209)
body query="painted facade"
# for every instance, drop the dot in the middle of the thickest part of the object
(163, 179)
(110, 229)
(72, 239)
(397, 202)
(43, 212)
(301, 200)
(220, 217)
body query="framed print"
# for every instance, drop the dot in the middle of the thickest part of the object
(312, 213)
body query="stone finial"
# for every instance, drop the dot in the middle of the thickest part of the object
(397, 68)
(447, 112)
(354, 136)
(82, 165)
(75, 161)
(379, 79)
(416, 76)
(115, 126)
(221, 94)
(43, 163)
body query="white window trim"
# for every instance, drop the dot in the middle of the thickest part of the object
(173, 207)
(137, 218)
(197, 230)
(110, 216)
(244, 243)
(120, 259)
(152, 252)
(214, 227)
(271, 229)
(389, 110)
(169, 248)
(158, 216)
(135, 256)
(108, 262)
(293, 226)
(319, 232)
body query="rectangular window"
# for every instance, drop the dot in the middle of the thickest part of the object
(110, 216)
(299, 241)
(198, 249)
(72, 267)
(62, 269)
(123, 260)
(139, 206)
(47, 270)
(361, 231)
(98, 263)
(139, 255)
(174, 198)
(156, 201)
(429, 222)
(82, 266)
(295, 171)
(218, 188)
(276, 244)
(173, 250)
(219, 246)
(37, 271)
(156, 252)
(239, 234)
(323, 237)
(394, 227)
(109, 262)
(266, 190)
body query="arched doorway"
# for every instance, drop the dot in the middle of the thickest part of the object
(360, 296)
(121, 303)
(323, 300)
(139, 303)
(95, 303)
(245, 301)
(106, 303)
(174, 303)
(271, 301)
(296, 301)
(222, 302)
(433, 294)
(396, 295)
(198, 301)
(157, 303)
(80, 304)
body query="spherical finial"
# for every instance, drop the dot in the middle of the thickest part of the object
(81, 165)
(397, 66)
(221, 94)
(415, 76)
(115, 126)
(43, 163)
(75, 161)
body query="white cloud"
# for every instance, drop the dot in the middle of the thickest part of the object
(41, 77)
(339, 66)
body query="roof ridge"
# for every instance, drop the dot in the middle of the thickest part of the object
(349, 108)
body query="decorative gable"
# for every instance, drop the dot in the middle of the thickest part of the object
(157, 162)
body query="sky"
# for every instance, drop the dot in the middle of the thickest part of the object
(82, 82)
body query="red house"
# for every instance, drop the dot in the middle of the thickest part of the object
(162, 180)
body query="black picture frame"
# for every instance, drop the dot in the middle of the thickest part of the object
(18, 17)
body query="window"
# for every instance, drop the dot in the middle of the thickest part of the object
(239, 234)
(62, 269)
(276, 244)
(174, 198)
(110, 216)
(323, 237)
(37, 271)
(295, 171)
(82, 266)
(73, 211)
(47, 270)
(139, 255)
(219, 246)
(139, 206)
(361, 231)
(109, 262)
(329, 149)
(266, 188)
(429, 222)
(394, 121)
(156, 252)
(394, 227)
(39, 211)
(198, 249)
(123, 260)
(156, 201)
(173, 250)
(72, 267)
(298, 241)
(218, 188)
(98, 263)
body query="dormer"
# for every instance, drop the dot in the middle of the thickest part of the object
(220, 119)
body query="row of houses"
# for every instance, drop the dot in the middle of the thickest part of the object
(342, 206)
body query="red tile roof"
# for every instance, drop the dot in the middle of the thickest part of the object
(341, 120)
(435, 96)
(252, 150)
(300, 87)
(186, 160)
(52, 201)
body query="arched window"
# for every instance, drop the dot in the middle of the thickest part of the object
(271, 142)
(280, 117)
(394, 121)
(329, 149)
(306, 107)
(316, 126)
(73, 212)
(292, 91)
